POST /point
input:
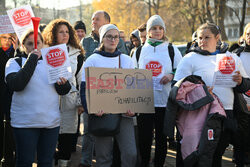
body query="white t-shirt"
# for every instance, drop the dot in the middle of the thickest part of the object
(37, 106)
(158, 60)
(245, 58)
(204, 66)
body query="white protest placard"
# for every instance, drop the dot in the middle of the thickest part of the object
(21, 19)
(57, 62)
(224, 71)
(119, 90)
(5, 25)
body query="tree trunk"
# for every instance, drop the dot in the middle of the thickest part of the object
(202, 17)
(221, 16)
(15, 3)
(216, 12)
(80, 14)
(209, 15)
(2, 7)
(149, 8)
(242, 22)
(157, 7)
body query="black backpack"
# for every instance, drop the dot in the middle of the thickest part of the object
(170, 51)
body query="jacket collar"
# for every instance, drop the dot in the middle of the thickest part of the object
(197, 104)
(222, 48)
(95, 36)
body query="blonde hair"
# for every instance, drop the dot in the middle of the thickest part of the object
(245, 31)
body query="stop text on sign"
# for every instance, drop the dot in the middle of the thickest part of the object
(56, 57)
(155, 67)
(22, 17)
(227, 65)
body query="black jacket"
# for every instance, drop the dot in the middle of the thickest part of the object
(204, 155)
(5, 94)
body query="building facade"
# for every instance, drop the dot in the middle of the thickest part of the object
(233, 17)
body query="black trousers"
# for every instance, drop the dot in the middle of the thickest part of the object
(76, 135)
(147, 123)
(7, 145)
(65, 146)
(230, 135)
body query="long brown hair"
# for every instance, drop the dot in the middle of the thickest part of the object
(50, 32)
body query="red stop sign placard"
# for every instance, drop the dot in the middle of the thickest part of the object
(155, 67)
(227, 65)
(55, 57)
(22, 17)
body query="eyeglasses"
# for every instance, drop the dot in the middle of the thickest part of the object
(6, 38)
(111, 38)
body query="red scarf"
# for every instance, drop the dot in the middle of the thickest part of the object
(4, 48)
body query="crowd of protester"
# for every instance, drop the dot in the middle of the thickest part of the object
(41, 121)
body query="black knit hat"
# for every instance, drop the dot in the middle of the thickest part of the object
(80, 25)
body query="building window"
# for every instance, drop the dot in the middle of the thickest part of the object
(236, 32)
(230, 33)
(248, 11)
(237, 12)
(231, 13)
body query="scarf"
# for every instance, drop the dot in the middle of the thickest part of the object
(154, 42)
(107, 54)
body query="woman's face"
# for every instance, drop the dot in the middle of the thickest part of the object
(207, 40)
(247, 37)
(62, 34)
(29, 44)
(6, 40)
(156, 32)
(111, 40)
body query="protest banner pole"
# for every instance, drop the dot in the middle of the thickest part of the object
(35, 21)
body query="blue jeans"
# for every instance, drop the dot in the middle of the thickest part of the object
(30, 141)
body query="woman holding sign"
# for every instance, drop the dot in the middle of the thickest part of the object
(201, 61)
(35, 115)
(108, 56)
(57, 32)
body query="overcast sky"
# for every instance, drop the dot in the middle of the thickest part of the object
(58, 4)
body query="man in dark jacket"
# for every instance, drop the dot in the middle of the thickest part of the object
(91, 42)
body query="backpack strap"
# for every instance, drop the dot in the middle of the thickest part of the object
(138, 52)
(19, 61)
(80, 59)
(239, 50)
(171, 54)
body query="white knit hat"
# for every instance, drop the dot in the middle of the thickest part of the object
(105, 28)
(155, 20)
